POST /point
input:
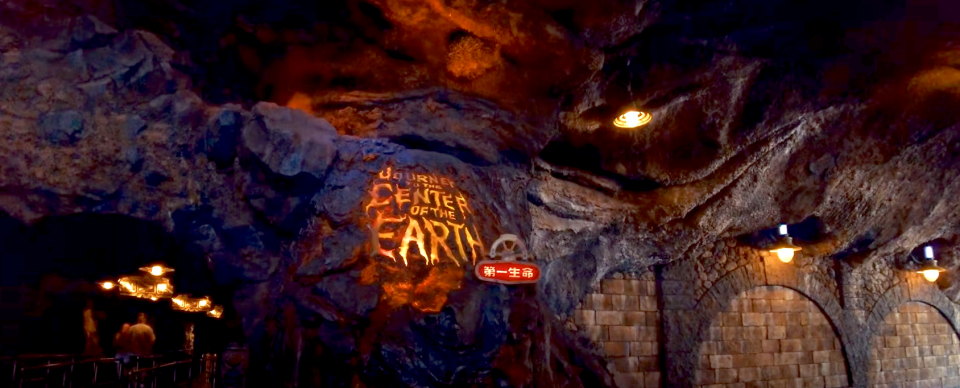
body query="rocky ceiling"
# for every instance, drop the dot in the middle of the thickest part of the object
(838, 118)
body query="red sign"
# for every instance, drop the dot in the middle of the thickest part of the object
(507, 272)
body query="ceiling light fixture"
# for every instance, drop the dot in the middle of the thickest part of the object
(632, 119)
(929, 268)
(784, 248)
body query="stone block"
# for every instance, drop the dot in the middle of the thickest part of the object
(715, 333)
(752, 319)
(623, 333)
(791, 345)
(761, 305)
(892, 341)
(634, 318)
(771, 345)
(912, 362)
(615, 349)
(726, 376)
(618, 302)
(631, 303)
(610, 318)
(809, 370)
(753, 346)
(763, 359)
(746, 375)
(835, 381)
(647, 333)
(653, 318)
(593, 301)
(625, 364)
(794, 332)
(814, 382)
(721, 361)
(584, 317)
(821, 356)
(633, 287)
(647, 364)
(731, 347)
(651, 380)
(606, 303)
(597, 333)
(632, 379)
(912, 351)
(651, 349)
(743, 361)
(768, 373)
(705, 377)
(789, 371)
(786, 383)
(779, 306)
(754, 332)
(776, 332)
(647, 303)
(651, 288)
(612, 286)
(788, 358)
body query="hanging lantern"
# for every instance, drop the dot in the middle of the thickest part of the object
(930, 270)
(215, 312)
(784, 247)
(148, 287)
(156, 269)
(192, 305)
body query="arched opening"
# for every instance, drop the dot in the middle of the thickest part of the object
(915, 346)
(771, 335)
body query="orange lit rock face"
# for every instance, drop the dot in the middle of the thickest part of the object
(423, 234)
(421, 217)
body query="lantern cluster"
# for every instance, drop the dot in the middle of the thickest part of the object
(154, 286)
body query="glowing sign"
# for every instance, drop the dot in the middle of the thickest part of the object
(423, 216)
(507, 272)
(508, 248)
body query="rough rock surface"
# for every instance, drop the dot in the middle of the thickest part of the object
(101, 116)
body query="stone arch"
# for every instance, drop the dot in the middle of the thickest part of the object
(744, 278)
(771, 334)
(686, 324)
(912, 290)
(913, 337)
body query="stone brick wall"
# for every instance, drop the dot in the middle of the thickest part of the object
(771, 337)
(915, 347)
(622, 318)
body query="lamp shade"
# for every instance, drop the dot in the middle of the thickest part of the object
(632, 118)
(785, 249)
(930, 270)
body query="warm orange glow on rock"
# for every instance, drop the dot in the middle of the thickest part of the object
(431, 294)
(301, 101)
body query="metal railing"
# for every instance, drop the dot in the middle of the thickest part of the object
(163, 370)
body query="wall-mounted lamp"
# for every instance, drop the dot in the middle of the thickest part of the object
(784, 247)
(929, 268)
(632, 118)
